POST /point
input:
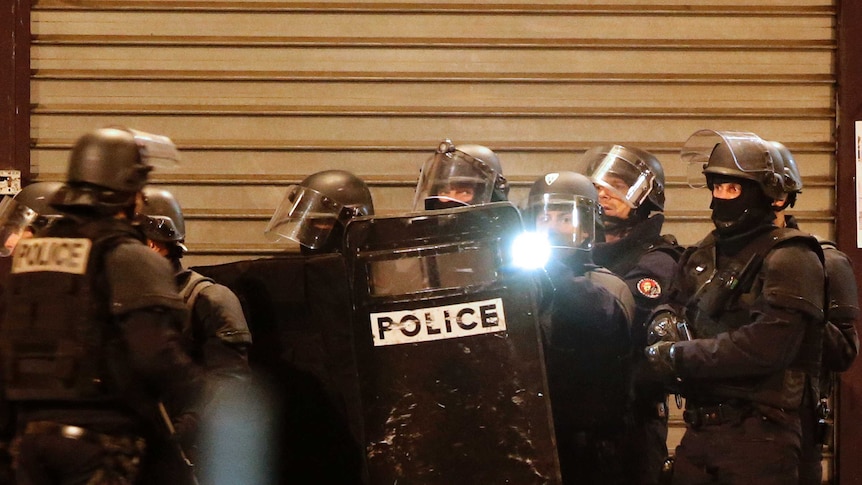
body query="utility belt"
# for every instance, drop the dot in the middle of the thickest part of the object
(126, 444)
(716, 415)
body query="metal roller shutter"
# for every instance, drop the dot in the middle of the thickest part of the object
(260, 94)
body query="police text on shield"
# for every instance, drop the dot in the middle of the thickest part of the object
(437, 323)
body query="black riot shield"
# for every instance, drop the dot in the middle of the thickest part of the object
(298, 310)
(448, 350)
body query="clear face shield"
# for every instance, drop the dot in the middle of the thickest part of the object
(158, 151)
(621, 172)
(307, 217)
(16, 221)
(452, 178)
(743, 153)
(568, 221)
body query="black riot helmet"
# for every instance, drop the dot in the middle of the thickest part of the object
(315, 212)
(564, 206)
(160, 218)
(460, 175)
(108, 166)
(743, 158)
(29, 210)
(792, 176)
(735, 154)
(635, 176)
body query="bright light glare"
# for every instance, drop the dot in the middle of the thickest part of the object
(531, 250)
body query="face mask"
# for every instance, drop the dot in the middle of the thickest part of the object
(749, 210)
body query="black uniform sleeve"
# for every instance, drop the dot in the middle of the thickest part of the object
(149, 313)
(140, 278)
(649, 282)
(840, 339)
(601, 315)
(155, 355)
(220, 329)
(792, 277)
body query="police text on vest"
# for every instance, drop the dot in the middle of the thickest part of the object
(61, 255)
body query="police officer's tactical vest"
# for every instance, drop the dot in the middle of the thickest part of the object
(721, 300)
(666, 243)
(55, 325)
(590, 379)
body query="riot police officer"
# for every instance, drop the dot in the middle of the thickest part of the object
(586, 324)
(460, 175)
(26, 213)
(315, 212)
(216, 334)
(840, 339)
(751, 295)
(311, 359)
(90, 341)
(21, 216)
(630, 184)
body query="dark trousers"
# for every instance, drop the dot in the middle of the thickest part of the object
(648, 450)
(751, 450)
(592, 458)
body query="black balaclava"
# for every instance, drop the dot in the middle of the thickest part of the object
(435, 203)
(751, 209)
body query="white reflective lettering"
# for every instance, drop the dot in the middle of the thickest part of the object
(61, 255)
(436, 323)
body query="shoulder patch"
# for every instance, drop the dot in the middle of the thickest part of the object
(649, 288)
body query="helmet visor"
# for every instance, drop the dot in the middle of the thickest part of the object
(157, 150)
(621, 172)
(15, 220)
(453, 177)
(568, 221)
(744, 155)
(306, 216)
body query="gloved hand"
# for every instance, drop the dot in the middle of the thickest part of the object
(660, 357)
(666, 325)
(662, 327)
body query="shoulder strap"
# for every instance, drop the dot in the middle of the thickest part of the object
(762, 245)
(196, 283)
(668, 244)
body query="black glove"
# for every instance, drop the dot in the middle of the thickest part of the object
(660, 357)
(663, 327)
